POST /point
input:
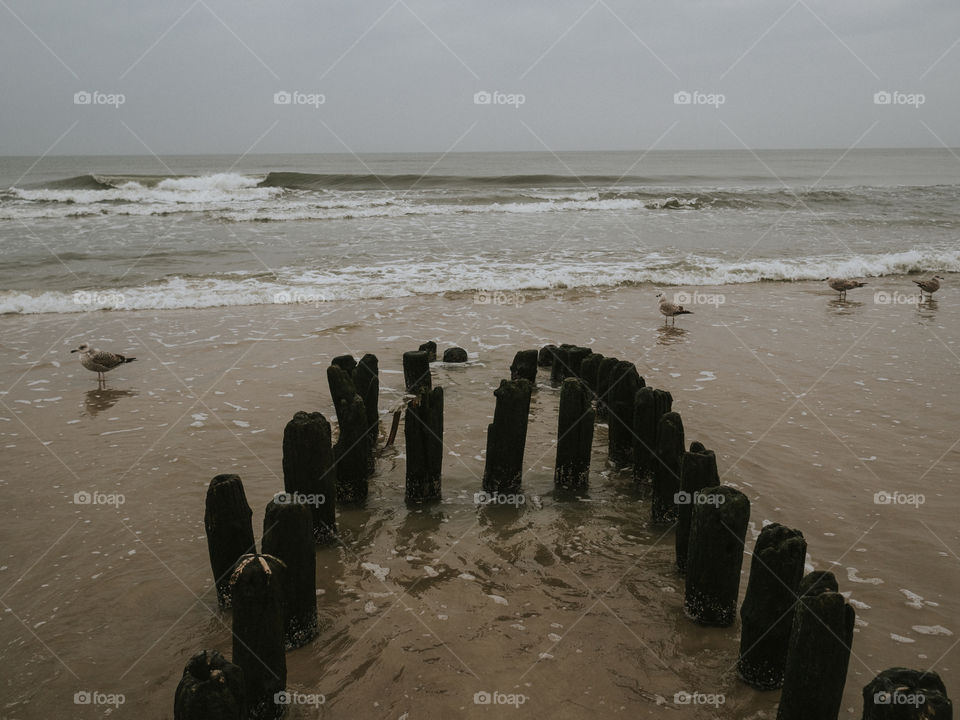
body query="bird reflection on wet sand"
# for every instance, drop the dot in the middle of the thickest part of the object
(670, 334)
(96, 401)
(844, 307)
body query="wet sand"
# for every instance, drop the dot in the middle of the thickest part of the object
(812, 405)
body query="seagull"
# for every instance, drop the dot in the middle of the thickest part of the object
(100, 361)
(929, 286)
(671, 310)
(841, 285)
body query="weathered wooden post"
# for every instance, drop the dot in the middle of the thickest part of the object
(603, 384)
(430, 348)
(623, 383)
(506, 437)
(817, 656)
(211, 689)
(416, 370)
(366, 378)
(576, 356)
(717, 532)
(524, 366)
(574, 436)
(698, 470)
(901, 694)
(353, 455)
(545, 357)
(455, 355)
(308, 470)
(589, 370)
(560, 370)
(288, 536)
(767, 612)
(666, 474)
(258, 645)
(345, 363)
(818, 581)
(423, 432)
(227, 520)
(649, 406)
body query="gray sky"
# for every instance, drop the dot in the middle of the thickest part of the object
(199, 76)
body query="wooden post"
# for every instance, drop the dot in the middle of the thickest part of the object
(560, 370)
(623, 383)
(416, 370)
(258, 646)
(524, 366)
(817, 658)
(423, 432)
(901, 694)
(455, 355)
(366, 378)
(211, 689)
(666, 476)
(766, 616)
(545, 356)
(574, 436)
(354, 454)
(698, 470)
(717, 533)
(577, 355)
(430, 348)
(603, 384)
(345, 363)
(288, 536)
(227, 520)
(308, 470)
(649, 406)
(589, 369)
(506, 437)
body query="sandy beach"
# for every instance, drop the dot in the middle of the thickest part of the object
(812, 405)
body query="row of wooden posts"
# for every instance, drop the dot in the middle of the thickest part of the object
(796, 629)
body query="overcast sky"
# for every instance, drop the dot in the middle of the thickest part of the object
(200, 76)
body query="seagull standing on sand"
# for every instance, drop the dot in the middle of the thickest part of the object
(671, 310)
(929, 286)
(841, 285)
(100, 361)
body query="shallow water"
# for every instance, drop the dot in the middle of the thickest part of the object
(812, 406)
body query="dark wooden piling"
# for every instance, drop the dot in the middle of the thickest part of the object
(211, 689)
(576, 356)
(308, 470)
(574, 436)
(345, 363)
(623, 383)
(698, 470)
(227, 520)
(560, 369)
(902, 694)
(354, 455)
(258, 638)
(717, 532)
(416, 371)
(649, 405)
(524, 366)
(545, 356)
(666, 474)
(766, 616)
(603, 384)
(506, 437)
(366, 378)
(430, 348)
(589, 370)
(818, 581)
(288, 536)
(423, 432)
(817, 658)
(455, 355)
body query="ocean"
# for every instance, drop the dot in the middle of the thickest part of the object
(146, 233)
